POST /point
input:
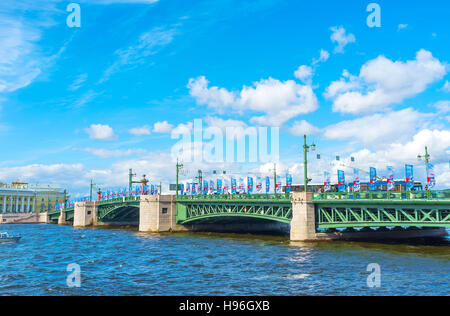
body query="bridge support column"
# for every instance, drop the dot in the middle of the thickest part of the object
(303, 224)
(157, 213)
(85, 214)
(62, 218)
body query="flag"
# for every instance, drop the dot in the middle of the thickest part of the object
(409, 173)
(390, 178)
(267, 185)
(211, 187)
(205, 187)
(219, 186)
(226, 186)
(258, 185)
(278, 184)
(249, 185)
(431, 178)
(356, 181)
(188, 188)
(233, 186)
(373, 179)
(182, 188)
(326, 181)
(288, 183)
(241, 188)
(341, 181)
(193, 189)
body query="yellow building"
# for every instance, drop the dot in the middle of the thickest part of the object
(21, 197)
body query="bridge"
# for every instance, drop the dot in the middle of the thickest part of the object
(306, 216)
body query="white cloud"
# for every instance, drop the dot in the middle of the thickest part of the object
(149, 43)
(19, 61)
(377, 129)
(78, 82)
(230, 128)
(342, 39)
(443, 106)
(279, 101)
(162, 127)
(324, 55)
(383, 82)
(300, 128)
(446, 86)
(107, 153)
(101, 132)
(140, 131)
(304, 73)
(183, 129)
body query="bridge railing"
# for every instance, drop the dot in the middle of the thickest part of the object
(384, 195)
(231, 197)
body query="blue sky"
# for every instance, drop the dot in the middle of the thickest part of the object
(82, 103)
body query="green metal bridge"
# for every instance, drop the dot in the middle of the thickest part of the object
(333, 210)
(110, 211)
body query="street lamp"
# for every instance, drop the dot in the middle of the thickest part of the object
(425, 158)
(306, 149)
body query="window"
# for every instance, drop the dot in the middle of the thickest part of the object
(164, 210)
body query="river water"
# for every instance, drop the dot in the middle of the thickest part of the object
(126, 262)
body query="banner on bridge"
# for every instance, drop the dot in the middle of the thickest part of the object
(326, 182)
(390, 178)
(341, 181)
(431, 178)
(356, 181)
(409, 172)
(373, 179)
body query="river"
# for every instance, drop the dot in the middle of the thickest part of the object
(126, 262)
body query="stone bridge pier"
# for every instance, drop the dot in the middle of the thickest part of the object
(85, 214)
(157, 214)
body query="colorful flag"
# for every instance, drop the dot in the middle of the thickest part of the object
(409, 172)
(182, 188)
(267, 185)
(326, 182)
(431, 178)
(219, 186)
(188, 188)
(241, 188)
(278, 184)
(226, 186)
(205, 187)
(258, 185)
(249, 185)
(288, 183)
(390, 178)
(233, 186)
(373, 179)
(356, 181)
(211, 187)
(341, 181)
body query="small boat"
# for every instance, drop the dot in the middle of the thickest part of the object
(5, 237)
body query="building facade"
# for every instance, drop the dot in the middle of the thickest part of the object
(21, 197)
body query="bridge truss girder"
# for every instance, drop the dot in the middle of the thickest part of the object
(343, 216)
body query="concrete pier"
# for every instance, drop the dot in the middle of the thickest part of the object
(85, 214)
(303, 224)
(158, 214)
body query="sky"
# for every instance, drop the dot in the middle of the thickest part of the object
(90, 102)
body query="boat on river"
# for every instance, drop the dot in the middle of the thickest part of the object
(5, 237)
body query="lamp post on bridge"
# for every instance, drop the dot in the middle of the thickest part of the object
(179, 167)
(425, 158)
(90, 191)
(306, 148)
